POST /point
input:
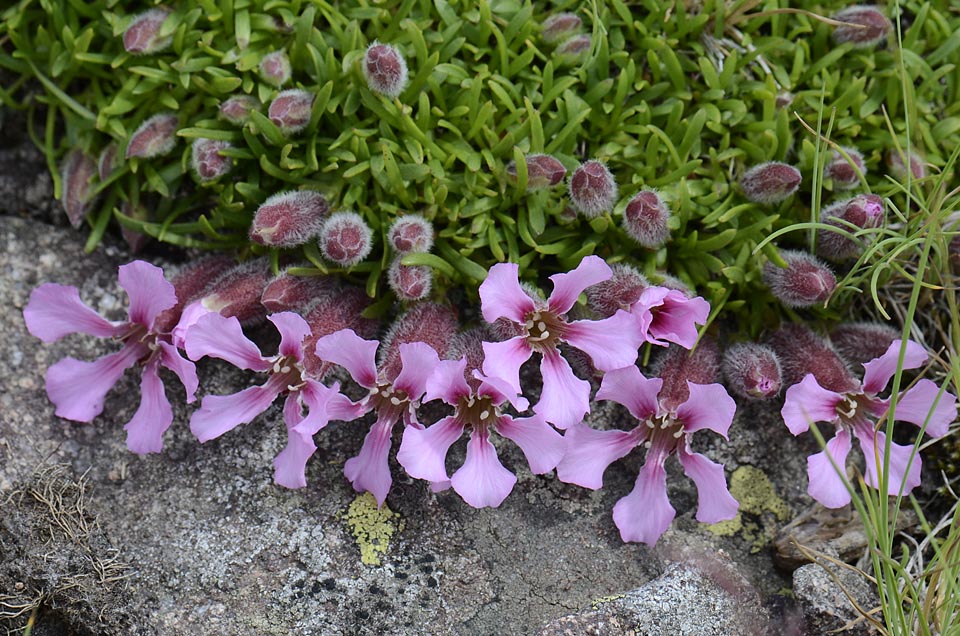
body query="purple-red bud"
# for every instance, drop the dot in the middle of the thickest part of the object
(645, 219)
(289, 219)
(752, 370)
(410, 233)
(867, 26)
(677, 366)
(142, 36)
(918, 169)
(290, 110)
(206, 160)
(469, 344)
(770, 182)
(384, 69)
(237, 292)
(593, 189)
(806, 280)
(620, 291)
(342, 310)
(190, 282)
(155, 137)
(843, 173)
(106, 161)
(860, 342)
(345, 238)
(543, 171)
(275, 68)
(574, 49)
(75, 173)
(287, 292)
(560, 26)
(865, 211)
(237, 109)
(409, 282)
(434, 324)
(801, 351)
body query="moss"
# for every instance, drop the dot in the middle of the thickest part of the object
(371, 527)
(760, 509)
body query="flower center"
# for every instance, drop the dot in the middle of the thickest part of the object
(145, 340)
(387, 397)
(477, 411)
(543, 329)
(289, 370)
(664, 431)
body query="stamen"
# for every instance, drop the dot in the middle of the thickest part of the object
(541, 326)
(647, 444)
(276, 367)
(678, 433)
(484, 414)
(395, 400)
(650, 424)
(285, 369)
(385, 393)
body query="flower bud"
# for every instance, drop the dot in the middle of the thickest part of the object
(867, 26)
(135, 240)
(106, 161)
(844, 174)
(543, 171)
(898, 170)
(620, 291)
(560, 26)
(237, 109)
(593, 189)
(645, 220)
(155, 137)
(206, 160)
(75, 173)
(806, 280)
(409, 282)
(801, 351)
(469, 344)
(574, 49)
(142, 36)
(677, 366)
(237, 292)
(289, 219)
(290, 110)
(190, 282)
(770, 182)
(410, 233)
(783, 99)
(865, 211)
(860, 342)
(385, 70)
(275, 68)
(342, 309)
(345, 238)
(434, 324)
(287, 292)
(752, 370)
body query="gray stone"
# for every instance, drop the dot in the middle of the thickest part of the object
(827, 599)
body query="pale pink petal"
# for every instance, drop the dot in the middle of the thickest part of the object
(290, 466)
(353, 353)
(808, 402)
(645, 514)
(708, 407)
(916, 405)
(568, 286)
(675, 318)
(500, 391)
(447, 382)
(188, 318)
(825, 483)
(418, 361)
(220, 413)
(325, 404)
(78, 388)
(504, 359)
(55, 311)
(589, 453)
(900, 480)
(153, 417)
(482, 481)
(629, 387)
(370, 470)
(541, 445)
(714, 501)
(423, 452)
(184, 369)
(501, 295)
(878, 371)
(293, 329)
(219, 337)
(439, 486)
(149, 292)
(565, 398)
(611, 343)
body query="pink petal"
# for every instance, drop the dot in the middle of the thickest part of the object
(184, 369)
(149, 292)
(220, 413)
(78, 388)
(565, 398)
(55, 311)
(541, 445)
(370, 470)
(154, 416)
(501, 295)
(504, 359)
(219, 337)
(589, 453)
(878, 371)
(808, 402)
(708, 407)
(714, 501)
(353, 353)
(645, 514)
(293, 329)
(900, 480)
(568, 286)
(611, 343)
(675, 317)
(482, 481)
(290, 466)
(423, 452)
(500, 391)
(188, 318)
(916, 405)
(826, 485)
(418, 361)
(447, 382)
(629, 387)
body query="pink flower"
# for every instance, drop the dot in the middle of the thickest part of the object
(393, 398)
(645, 514)
(482, 481)
(854, 411)
(216, 336)
(78, 388)
(541, 326)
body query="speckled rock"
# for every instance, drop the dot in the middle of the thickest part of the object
(825, 599)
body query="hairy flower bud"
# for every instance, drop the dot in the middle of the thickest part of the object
(206, 160)
(645, 219)
(752, 370)
(543, 171)
(801, 351)
(135, 240)
(866, 26)
(864, 211)
(409, 282)
(342, 309)
(189, 283)
(155, 137)
(410, 233)
(237, 109)
(806, 280)
(345, 238)
(106, 161)
(918, 169)
(289, 219)
(844, 174)
(275, 68)
(237, 292)
(770, 182)
(620, 291)
(593, 189)
(385, 70)
(560, 26)
(860, 342)
(142, 36)
(434, 324)
(290, 110)
(287, 292)
(574, 49)
(677, 366)
(75, 173)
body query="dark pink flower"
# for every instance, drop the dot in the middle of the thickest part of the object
(864, 211)
(854, 412)
(289, 219)
(645, 219)
(845, 174)
(78, 388)
(804, 282)
(409, 282)
(543, 171)
(287, 292)
(573, 49)
(752, 370)
(142, 36)
(560, 26)
(106, 162)
(664, 430)
(860, 342)
(898, 168)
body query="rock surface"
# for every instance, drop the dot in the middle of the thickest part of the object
(824, 597)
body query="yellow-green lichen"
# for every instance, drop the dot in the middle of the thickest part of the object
(371, 527)
(605, 599)
(758, 498)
